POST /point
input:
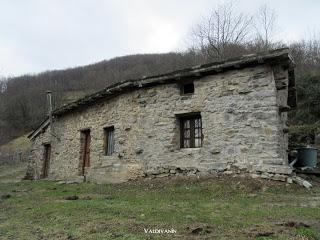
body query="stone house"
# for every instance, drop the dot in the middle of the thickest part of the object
(192, 121)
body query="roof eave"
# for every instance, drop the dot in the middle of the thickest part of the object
(38, 130)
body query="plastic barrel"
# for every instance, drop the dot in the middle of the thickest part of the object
(307, 157)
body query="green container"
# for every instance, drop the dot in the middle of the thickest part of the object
(307, 157)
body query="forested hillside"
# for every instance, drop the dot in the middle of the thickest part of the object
(23, 99)
(223, 34)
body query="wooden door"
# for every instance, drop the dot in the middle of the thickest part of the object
(86, 150)
(46, 160)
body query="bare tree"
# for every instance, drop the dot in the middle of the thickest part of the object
(223, 27)
(3, 85)
(264, 24)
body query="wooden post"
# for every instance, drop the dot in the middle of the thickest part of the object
(49, 100)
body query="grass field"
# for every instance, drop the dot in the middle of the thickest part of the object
(214, 208)
(12, 173)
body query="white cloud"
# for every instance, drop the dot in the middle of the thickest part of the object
(37, 35)
(11, 61)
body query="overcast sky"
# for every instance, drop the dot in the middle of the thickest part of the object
(38, 35)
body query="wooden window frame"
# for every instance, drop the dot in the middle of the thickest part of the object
(108, 150)
(192, 128)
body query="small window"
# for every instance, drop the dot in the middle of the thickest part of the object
(191, 131)
(187, 88)
(109, 141)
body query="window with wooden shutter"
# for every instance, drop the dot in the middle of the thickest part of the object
(191, 131)
(109, 141)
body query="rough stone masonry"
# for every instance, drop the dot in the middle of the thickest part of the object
(242, 104)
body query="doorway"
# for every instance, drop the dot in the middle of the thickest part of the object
(46, 160)
(86, 140)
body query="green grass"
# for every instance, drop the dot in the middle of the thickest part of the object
(18, 144)
(307, 233)
(12, 173)
(225, 208)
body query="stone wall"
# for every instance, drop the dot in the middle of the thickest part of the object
(36, 157)
(243, 126)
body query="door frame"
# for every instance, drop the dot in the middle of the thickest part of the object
(46, 160)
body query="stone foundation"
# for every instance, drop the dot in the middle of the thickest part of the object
(163, 172)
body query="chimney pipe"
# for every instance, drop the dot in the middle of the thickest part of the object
(49, 100)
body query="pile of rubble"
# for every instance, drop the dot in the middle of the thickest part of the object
(167, 171)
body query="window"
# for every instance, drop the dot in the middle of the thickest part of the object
(109, 141)
(187, 88)
(191, 131)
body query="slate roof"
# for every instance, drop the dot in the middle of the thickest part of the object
(273, 57)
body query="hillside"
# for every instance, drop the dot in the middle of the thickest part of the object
(23, 100)
(23, 103)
